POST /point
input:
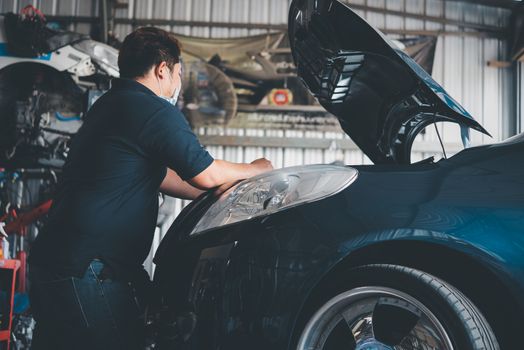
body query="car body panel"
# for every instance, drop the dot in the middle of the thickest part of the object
(66, 59)
(381, 96)
(248, 283)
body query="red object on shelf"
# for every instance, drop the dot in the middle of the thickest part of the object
(280, 97)
(21, 221)
(8, 269)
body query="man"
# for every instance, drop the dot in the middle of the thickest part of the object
(87, 279)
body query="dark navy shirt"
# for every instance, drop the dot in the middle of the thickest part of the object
(106, 204)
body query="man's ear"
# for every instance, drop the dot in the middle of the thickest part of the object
(161, 70)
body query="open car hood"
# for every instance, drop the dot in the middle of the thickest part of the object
(381, 96)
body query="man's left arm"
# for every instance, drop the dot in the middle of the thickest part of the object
(174, 186)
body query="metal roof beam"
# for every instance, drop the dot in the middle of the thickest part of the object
(274, 27)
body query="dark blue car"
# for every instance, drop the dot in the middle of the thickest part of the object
(388, 256)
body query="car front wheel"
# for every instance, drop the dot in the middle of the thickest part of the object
(394, 307)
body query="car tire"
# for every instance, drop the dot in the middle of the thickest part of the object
(394, 307)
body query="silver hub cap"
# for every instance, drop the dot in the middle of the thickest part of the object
(374, 318)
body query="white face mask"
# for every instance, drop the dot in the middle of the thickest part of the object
(173, 99)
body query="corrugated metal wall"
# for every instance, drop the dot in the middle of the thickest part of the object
(460, 66)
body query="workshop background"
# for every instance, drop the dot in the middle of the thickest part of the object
(472, 61)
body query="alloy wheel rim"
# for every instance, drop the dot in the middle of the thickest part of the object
(374, 318)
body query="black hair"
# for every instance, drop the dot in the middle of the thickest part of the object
(147, 47)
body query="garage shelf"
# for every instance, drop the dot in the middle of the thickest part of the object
(8, 270)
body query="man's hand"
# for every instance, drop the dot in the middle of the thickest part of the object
(263, 165)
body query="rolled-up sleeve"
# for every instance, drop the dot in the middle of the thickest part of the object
(167, 136)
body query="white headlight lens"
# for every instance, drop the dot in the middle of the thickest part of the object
(103, 54)
(275, 191)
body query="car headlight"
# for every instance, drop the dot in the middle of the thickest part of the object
(106, 56)
(275, 191)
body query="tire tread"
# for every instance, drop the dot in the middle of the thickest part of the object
(479, 332)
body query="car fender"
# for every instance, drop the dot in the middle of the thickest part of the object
(392, 247)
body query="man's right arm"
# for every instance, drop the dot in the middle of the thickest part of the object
(221, 172)
(167, 137)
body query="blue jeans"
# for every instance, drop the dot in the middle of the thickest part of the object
(87, 313)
